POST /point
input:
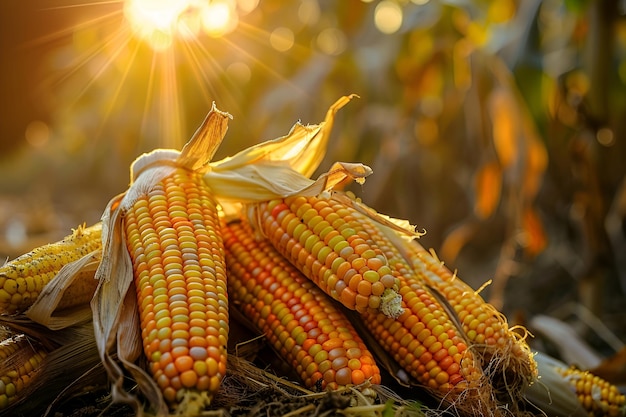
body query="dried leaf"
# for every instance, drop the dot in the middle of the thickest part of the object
(551, 393)
(303, 148)
(264, 181)
(505, 125)
(535, 166)
(457, 239)
(535, 238)
(205, 141)
(613, 369)
(488, 186)
(572, 348)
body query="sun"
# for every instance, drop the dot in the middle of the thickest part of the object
(161, 22)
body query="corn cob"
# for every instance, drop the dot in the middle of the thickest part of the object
(597, 396)
(298, 319)
(320, 236)
(20, 361)
(22, 279)
(424, 340)
(173, 237)
(506, 355)
(562, 390)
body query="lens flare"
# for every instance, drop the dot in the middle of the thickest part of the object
(160, 22)
(219, 18)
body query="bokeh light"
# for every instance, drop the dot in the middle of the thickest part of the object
(332, 41)
(239, 72)
(309, 12)
(156, 21)
(388, 16)
(37, 133)
(282, 39)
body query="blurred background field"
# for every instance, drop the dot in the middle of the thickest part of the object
(498, 127)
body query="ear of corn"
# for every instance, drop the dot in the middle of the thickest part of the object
(173, 238)
(423, 339)
(597, 396)
(22, 279)
(325, 241)
(299, 320)
(425, 342)
(20, 361)
(561, 390)
(506, 355)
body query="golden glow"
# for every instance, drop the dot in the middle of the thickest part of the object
(388, 16)
(160, 22)
(219, 18)
(155, 21)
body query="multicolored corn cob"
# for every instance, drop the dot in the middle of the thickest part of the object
(506, 355)
(597, 396)
(22, 279)
(20, 360)
(320, 236)
(299, 320)
(173, 237)
(424, 340)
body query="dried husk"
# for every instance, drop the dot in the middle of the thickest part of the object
(74, 280)
(551, 393)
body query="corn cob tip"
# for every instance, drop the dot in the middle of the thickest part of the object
(391, 304)
(192, 402)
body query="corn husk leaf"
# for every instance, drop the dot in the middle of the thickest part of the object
(551, 393)
(303, 148)
(206, 140)
(265, 181)
(76, 276)
(571, 347)
(117, 331)
(282, 167)
(400, 227)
